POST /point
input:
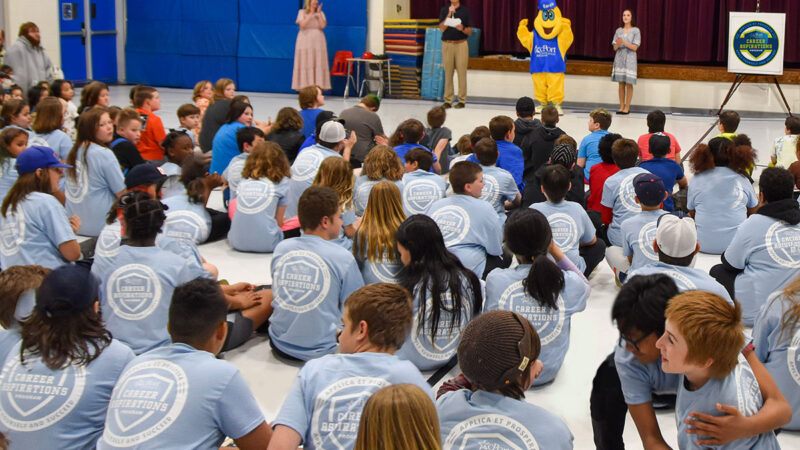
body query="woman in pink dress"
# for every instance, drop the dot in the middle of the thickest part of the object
(311, 49)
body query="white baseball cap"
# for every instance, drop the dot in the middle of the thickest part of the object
(332, 132)
(675, 236)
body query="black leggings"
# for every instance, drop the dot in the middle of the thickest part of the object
(220, 225)
(725, 277)
(607, 407)
(593, 255)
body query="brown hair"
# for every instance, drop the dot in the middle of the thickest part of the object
(13, 282)
(421, 156)
(711, 327)
(409, 131)
(307, 96)
(315, 203)
(463, 173)
(382, 162)
(198, 88)
(219, 88)
(88, 122)
(721, 152)
(399, 417)
(266, 160)
(464, 146)
(793, 125)
(625, 152)
(550, 115)
(387, 310)
(49, 115)
(377, 235)
(127, 115)
(337, 174)
(500, 126)
(288, 119)
(791, 317)
(11, 108)
(26, 27)
(371, 101)
(729, 121)
(90, 94)
(187, 109)
(486, 151)
(602, 118)
(436, 117)
(113, 112)
(566, 139)
(25, 184)
(477, 134)
(142, 95)
(193, 174)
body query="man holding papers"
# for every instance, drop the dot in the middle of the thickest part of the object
(456, 25)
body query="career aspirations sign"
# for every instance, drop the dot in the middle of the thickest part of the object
(756, 42)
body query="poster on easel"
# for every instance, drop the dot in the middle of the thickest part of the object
(756, 43)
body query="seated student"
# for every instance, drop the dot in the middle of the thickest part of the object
(202, 399)
(214, 117)
(775, 329)
(47, 125)
(545, 293)
(420, 187)
(501, 129)
(322, 117)
(572, 229)
(94, 183)
(286, 133)
(676, 246)
(499, 189)
(240, 115)
(311, 278)
(129, 131)
(588, 156)
(324, 406)
(407, 136)
(762, 256)
(189, 118)
(597, 178)
(784, 149)
(67, 353)
(618, 192)
(525, 122)
(466, 151)
(12, 142)
(34, 228)
(311, 100)
(720, 196)
(246, 138)
(498, 354)
(655, 125)
(381, 164)
(438, 137)
(261, 200)
(137, 282)
(363, 119)
(16, 114)
(177, 146)
(702, 339)
(469, 225)
(463, 149)
(337, 174)
(538, 146)
(375, 244)
(728, 124)
(399, 417)
(146, 101)
(18, 286)
(639, 231)
(65, 90)
(668, 170)
(446, 295)
(563, 154)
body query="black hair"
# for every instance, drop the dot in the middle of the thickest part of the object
(604, 147)
(34, 94)
(776, 184)
(248, 135)
(555, 182)
(793, 124)
(434, 269)
(193, 173)
(659, 145)
(172, 139)
(684, 261)
(527, 234)
(57, 86)
(144, 215)
(196, 310)
(656, 121)
(641, 304)
(236, 110)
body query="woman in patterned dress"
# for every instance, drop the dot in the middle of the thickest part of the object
(626, 42)
(311, 49)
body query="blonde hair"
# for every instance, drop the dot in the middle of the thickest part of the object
(337, 174)
(382, 162)
(198, 88)
(791, 317)
(400, 416)
(219, 88)
(266, 160)
(377, 235)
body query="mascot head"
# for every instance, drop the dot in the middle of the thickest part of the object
(548, 22)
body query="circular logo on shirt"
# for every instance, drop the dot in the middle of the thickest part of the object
(385, 272)
(147, 400)
(748, 393)
(108, 241)
(793, 357)
(454, 223)
(254, 196)
(547, 321)
(491, 189)
(564, 229)
(184, 224)
(302, 280)
(740, 199)
(683, 282)
(306, 165)
(646, 237)
(755, 43)
(444, 345)
(337, 411)
(133, 291)
(361, 196)
(490, 431)
(33, 397)
(77, 189)
(783, 244)
(418, 195)
(12, 233)
(627, 194)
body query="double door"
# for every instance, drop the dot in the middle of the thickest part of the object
(89, 40)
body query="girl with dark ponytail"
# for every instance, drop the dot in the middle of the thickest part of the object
(546, 293)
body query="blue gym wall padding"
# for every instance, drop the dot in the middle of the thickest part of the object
(281, 12)
(209, 38)
(210, 10)
(196, 68)
(153, 69)
(267, 41)
(345, 12)
(265, 75)
(160, 37)
(148, 10)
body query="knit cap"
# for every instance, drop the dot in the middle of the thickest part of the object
(496, 348)
(564, 155)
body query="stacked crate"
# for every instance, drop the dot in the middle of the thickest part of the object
(404, 41)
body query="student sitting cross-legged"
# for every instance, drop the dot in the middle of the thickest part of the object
(421, 187)
(374, 245)
(618, 193)
(323, 408)
(499, 188)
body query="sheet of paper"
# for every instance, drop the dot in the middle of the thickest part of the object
(452, 22)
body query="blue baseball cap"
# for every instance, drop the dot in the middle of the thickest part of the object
(649, 189)
(38, 157)
(66, 291)
(544, 5)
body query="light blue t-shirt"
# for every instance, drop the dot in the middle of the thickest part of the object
(361, 189)
(499, 186)
(65, 409)
(484, 420)
(32, 234)
(325, 403)
(589, 149)
(94, 190)
(619, 195)
(8, 176)
(639, 382)
(254, 228)
(470, 229)
(385, 270)
(172, 185)
(570, 226)
(422, 348)
(420, 190)
(348, 218)
(638, 234)
(58, 141)
(311, 278)
(186, 220)
(233, 173)
(739, 389)
(224, 146)
(136, 291)
(769, 252)
(686, 278)
(304, 170)
(720, 198)
(505, 291)
(778, 350)
(179, 397)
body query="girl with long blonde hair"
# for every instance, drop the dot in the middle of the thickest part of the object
(380, 164)
(400, 416)
(375, 244)
(337, 174)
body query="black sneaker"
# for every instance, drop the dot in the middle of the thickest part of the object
(446, 105)
(460, 105)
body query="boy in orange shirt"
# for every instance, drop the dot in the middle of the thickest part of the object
(146, 101)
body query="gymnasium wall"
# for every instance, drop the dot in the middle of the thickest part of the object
(43, 13)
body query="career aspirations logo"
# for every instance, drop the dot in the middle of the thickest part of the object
(756, 43)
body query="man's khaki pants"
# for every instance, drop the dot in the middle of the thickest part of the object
(455, 56)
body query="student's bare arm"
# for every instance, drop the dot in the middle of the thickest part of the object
(630, 258)
(350, 230)
(437, 167)
(513, 203)
(582, 162)
(683, 182)
(284, 438)
(279, 215)
(751, 211)
(586, 244)
(70, 250)
(691, 213)
(256, 439)
(644, 416)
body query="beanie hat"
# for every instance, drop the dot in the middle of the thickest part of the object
(496, 348)
(563, 154)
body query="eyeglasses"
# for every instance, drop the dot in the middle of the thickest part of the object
(633, 343)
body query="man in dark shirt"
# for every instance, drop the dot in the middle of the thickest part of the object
(213, 119)
(455, 51)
